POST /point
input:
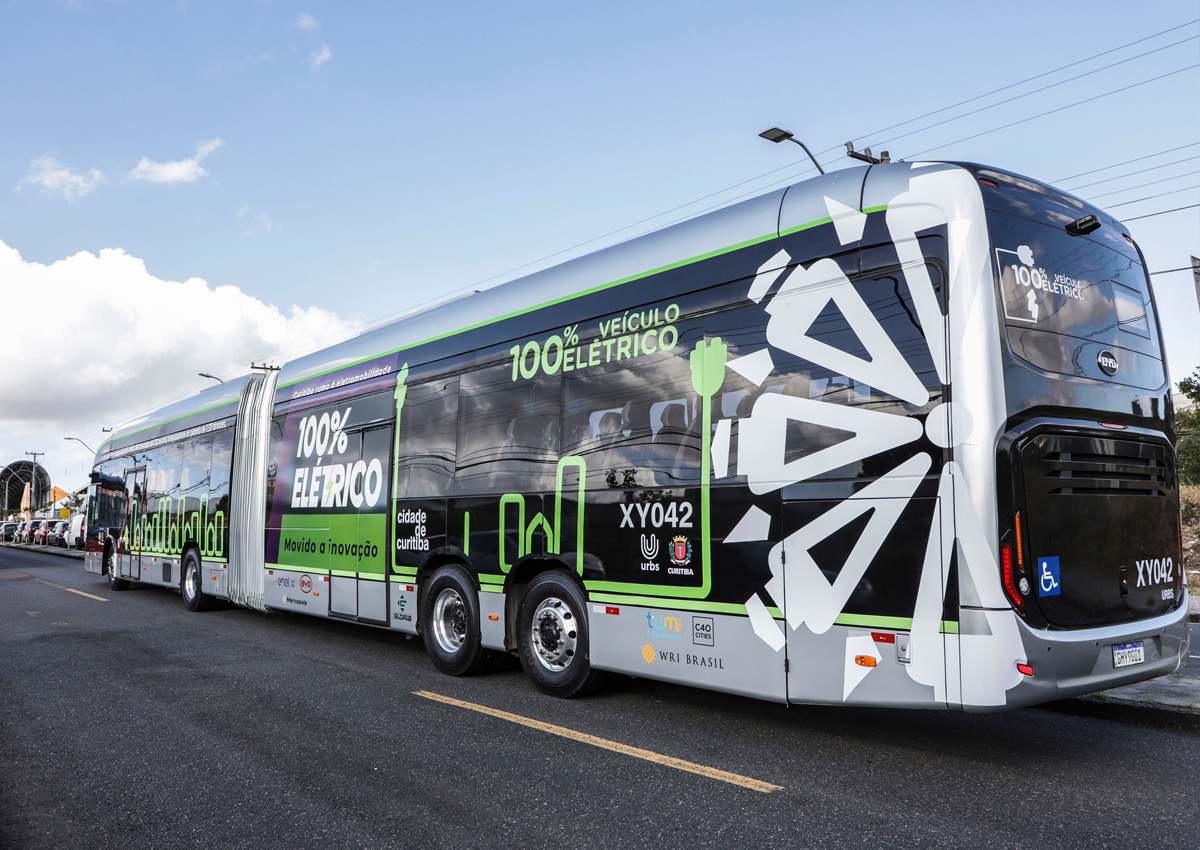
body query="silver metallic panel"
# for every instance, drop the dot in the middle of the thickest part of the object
(343, 595)
(403, 607)
(720, 652)
(491, 631)
(298, 592)
(372, 600)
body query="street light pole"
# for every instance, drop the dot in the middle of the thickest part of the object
(214, 377)
(81, 442)
(776, 135)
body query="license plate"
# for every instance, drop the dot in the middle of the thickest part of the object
(1126, 654)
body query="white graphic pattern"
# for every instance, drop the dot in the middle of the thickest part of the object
(945, 196)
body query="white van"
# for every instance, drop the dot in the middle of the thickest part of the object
(74, 536)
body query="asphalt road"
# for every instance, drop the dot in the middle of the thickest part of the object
(130, 722)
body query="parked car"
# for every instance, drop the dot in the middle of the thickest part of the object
(40, 530)
(20, 530)
(26, 532)
(76, 533)
(55, 537)
(8, 532)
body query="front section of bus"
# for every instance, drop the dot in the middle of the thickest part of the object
(1086, 486)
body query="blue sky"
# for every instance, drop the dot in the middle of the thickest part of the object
(374, 156)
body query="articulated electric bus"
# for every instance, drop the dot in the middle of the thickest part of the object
(899, 435)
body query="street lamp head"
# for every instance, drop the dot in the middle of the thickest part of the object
(213, 377)
(776, 135)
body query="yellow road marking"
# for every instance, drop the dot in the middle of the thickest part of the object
(605, 744)
(72, 590)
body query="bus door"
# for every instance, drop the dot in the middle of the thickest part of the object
(130, 564)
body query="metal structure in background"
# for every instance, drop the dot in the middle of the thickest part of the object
(13, 479)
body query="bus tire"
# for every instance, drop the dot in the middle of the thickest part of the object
(110, 569)
(553, 638)
(191, 582)
(450, 623)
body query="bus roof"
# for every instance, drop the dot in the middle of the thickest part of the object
(755, 220)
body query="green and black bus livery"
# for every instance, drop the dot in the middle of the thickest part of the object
(897, 435)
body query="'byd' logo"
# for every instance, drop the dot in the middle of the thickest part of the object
(1107, 363)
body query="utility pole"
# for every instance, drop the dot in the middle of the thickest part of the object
(1196, 277)
(33, 480)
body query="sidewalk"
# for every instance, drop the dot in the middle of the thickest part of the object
(46, 550)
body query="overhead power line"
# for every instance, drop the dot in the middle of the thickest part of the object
(1057, 109)
(1161, 212)
(1029, 93)
(1143, 185)
(1152, 197)
(1126, 162)
(1134, 173)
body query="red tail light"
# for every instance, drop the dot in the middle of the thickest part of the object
(1025, 668)
(1010, 582)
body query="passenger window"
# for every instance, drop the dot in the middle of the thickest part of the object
(427, 443)
(636, 422)
(508, 437)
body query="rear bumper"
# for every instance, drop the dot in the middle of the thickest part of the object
(1071, 663)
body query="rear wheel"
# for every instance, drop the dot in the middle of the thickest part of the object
(191, 582)
(450, 624)
(553, 637)
(115, 582)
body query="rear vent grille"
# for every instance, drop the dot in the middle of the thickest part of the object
(1098, 466)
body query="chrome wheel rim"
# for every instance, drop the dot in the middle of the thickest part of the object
(190, 582)
(555, 633)
(450, 621)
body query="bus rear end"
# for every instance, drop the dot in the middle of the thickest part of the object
(1090, 546)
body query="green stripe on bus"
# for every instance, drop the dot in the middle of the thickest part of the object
(491, 579)
(598, 288)
(168, 422)
(681, 604)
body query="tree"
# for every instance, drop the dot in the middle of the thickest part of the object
(1190, 386)
(1187, 426)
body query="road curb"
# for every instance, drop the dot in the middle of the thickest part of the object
(73, 554)
(1141, 713)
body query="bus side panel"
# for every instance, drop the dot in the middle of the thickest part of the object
(720, 652)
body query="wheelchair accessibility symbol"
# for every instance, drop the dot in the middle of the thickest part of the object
(1048, 584)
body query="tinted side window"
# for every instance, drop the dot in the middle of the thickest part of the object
(427, 440)
(508, 437)
(636, 422)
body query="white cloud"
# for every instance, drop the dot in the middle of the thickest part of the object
(58, 179)
(320, 56)
(128, 343)
(242, 211)
(178, 171)
(305, 21)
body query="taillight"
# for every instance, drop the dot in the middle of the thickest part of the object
(1010, 580)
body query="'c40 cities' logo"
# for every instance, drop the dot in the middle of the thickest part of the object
(681, 551)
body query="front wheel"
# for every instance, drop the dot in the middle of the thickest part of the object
(553, 637)
(115, 582)
(190, 583)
